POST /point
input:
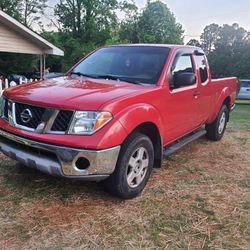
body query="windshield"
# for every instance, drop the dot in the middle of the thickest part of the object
(139, 65)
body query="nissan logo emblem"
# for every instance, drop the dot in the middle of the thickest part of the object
(26, 116)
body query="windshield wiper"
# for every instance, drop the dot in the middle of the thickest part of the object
(117, 78)
(129, 81)
(82, 74)
(107, 77)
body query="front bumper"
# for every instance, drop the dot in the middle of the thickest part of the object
(60, 161)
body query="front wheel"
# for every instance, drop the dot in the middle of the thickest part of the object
(133, 169)
(216, 130)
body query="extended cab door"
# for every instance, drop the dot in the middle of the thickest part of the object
(204, 90)
(181, 106)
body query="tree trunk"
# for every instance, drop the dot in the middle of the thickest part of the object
(79, 28)
(26, 13)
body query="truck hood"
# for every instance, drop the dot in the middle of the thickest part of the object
(74, 93)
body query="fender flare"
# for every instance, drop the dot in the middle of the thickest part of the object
(225, 93)
(135, 115)
(147, 120)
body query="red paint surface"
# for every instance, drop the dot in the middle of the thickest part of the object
(175, 113)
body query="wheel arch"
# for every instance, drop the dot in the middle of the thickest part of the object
(223, 100)
(151, 130)
(146, 119)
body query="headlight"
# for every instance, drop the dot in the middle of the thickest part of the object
(88, 122)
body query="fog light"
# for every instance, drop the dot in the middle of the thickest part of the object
(82, 163)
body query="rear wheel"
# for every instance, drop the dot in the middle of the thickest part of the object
(216, 130)
(133, 169)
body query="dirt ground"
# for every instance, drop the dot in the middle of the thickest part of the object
(199, 199)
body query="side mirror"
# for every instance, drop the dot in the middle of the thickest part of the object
(184, 80)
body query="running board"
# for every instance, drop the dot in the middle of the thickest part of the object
(183, 142)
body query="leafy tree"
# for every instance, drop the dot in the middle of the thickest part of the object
(86, 25)
(32, 10)
(129, 8)
(73, 48)
(230, 54)
(194, 42)
(209, 37)
(11, 7)
(129, 25)
(242, 67)
(11, 63)
(25, 11)
(89, 20)
(157, 24)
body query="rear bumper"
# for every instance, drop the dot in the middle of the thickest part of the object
(60, 161)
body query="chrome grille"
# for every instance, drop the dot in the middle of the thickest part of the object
(36, 115)
(42, 120)
(62, 121)
(5, 109)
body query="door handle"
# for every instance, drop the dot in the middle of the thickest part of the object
(248, 89)
(196, 94)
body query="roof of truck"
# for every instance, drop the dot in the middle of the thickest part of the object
(155, 45)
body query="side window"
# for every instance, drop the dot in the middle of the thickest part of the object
(182, 72)
(201, 63)
(183, 64)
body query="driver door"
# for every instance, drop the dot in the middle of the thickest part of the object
(182, 100)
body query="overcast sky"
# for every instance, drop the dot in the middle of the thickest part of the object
(194, 15)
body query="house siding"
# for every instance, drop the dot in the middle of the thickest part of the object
(11, 41)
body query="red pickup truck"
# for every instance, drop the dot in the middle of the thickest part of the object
(116, 114)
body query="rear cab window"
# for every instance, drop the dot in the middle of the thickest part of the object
(202, 67)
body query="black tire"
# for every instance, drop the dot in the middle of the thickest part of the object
(117, 184)
(215, 130)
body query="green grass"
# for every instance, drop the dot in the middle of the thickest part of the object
(247, 205)
(240, 117)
